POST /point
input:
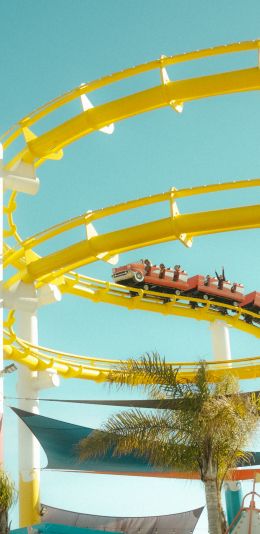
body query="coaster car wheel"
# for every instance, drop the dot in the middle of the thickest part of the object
(138, 276)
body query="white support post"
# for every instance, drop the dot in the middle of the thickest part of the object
(1, 309)
(21, 178)
(220, 341)
(25, 300)
(29, 449)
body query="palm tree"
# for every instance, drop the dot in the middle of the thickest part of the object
(204, 427)
(7, 497)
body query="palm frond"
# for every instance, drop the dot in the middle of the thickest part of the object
(151, 372)
(97, 444)
(202, 382)
(134, 429)
(233, 459)
(174, 456)
(228, 385)
(149, 436)
(209, 430)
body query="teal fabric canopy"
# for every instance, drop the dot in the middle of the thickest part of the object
(60, 439)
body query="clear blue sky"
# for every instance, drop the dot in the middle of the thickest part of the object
(50, 46)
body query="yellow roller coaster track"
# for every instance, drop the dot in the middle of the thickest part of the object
(90, 368)
(56, 267)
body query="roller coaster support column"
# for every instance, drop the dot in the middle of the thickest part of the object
(25, 299)
(21, 177)
(29, 450)
(220, 341)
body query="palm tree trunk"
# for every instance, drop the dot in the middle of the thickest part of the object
(4, 528)
(224, 524)
(212, 502)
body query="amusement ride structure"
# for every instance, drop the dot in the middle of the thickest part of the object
(33, 280)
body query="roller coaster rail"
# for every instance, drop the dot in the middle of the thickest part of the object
(56, 268)
(49, 145)
(69, 365)
(26, 146)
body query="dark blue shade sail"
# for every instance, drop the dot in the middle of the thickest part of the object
(60, 439)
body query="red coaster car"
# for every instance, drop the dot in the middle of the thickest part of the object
(212, 288)
(154, 277)
(251, 303)
(175, 280)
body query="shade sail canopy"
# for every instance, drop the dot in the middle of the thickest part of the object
(181, 523)
(155, 404)
(60, 439)
(49, 528)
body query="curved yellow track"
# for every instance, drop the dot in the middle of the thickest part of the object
(56, 267)
(75, 366)
(50, 143)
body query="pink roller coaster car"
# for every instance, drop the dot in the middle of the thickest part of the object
(159, 278)
(154, 277)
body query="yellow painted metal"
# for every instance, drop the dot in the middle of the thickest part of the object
(51, 142)
(168, 229)
(28, 262)
(100, 291)
(30, 267)
(48, 144)
(165, 61)
(29, 492)
(168, 196)
(87, 251)
(94, 119)
(68, 365)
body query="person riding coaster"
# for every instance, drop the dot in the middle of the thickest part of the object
(159, 278)
(162, 270)
(221, 278)
(148, 267)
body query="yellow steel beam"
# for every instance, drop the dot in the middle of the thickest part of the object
(196, 224)
(48, 145)
(110, 293)
(97, 369)
(167, 196)
(163, 62)
(150, 99)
